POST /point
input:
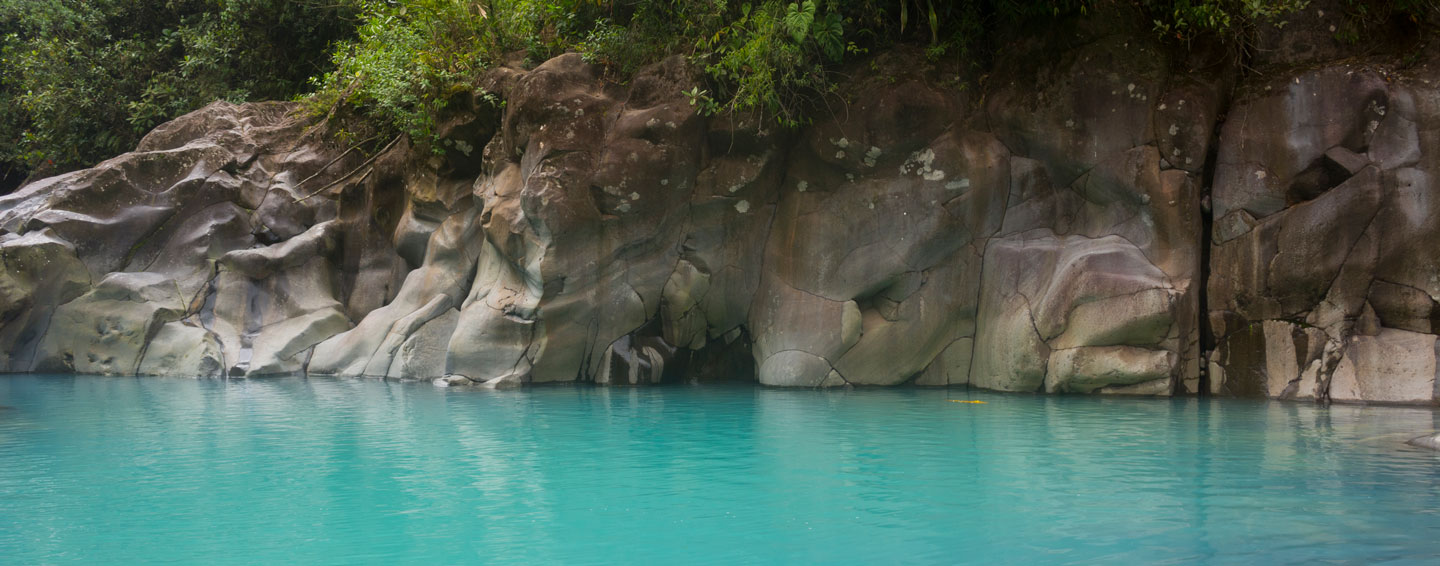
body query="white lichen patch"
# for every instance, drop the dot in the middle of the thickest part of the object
(615, 191)
(871, 156)
(634, 196)
(742, 207)
(802, 186)
(664, 182)
(958, 184)
(841, 143)
(921, 163)
(1174, 129)
(623, 207)
(652, 122)
(734, 188)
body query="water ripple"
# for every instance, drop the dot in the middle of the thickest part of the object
(118, 470)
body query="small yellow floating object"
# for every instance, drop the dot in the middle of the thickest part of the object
(966, 401)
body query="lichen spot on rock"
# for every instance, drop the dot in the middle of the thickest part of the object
(872, 156)
(742, 207)
(961, 183)
(802, 186)
(920, 164)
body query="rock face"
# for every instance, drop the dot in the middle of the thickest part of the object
(1323, 272)
(1096, 220)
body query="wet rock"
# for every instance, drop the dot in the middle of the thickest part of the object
(1396, 367)
(1087, 368)
(1327, 294)
(1043, 308)
(1431, 441)
(635, 360)
(40, 272)
(105, 331)
(183, 350)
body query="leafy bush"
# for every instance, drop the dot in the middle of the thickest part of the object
(1234, 19)
(773, 57)
(406, 58)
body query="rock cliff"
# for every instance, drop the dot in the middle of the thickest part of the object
(1099, 215)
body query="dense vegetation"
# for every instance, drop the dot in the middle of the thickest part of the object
(83, 79)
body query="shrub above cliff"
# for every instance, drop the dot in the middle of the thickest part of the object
(84, 79)
(771, 57)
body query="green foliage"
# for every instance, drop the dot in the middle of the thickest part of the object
(406, 61)
(772, 58)
(1185, 19)
(84, 79)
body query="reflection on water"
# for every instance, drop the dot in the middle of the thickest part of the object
(119, 470)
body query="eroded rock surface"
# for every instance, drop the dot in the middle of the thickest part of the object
(1323, 273)
(1096, 220)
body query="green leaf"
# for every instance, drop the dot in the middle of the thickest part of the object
(798, 18)
(934, 24)
(829, 34)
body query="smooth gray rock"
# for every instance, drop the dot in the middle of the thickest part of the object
(106, 330)
(40, 272)
(183, 350)
(1039, 231)
(1431, 441)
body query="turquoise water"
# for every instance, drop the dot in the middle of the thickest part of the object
(129, 471)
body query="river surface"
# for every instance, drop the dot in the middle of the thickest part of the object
(322, 471)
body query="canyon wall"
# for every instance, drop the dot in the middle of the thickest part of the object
(1099, 214)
